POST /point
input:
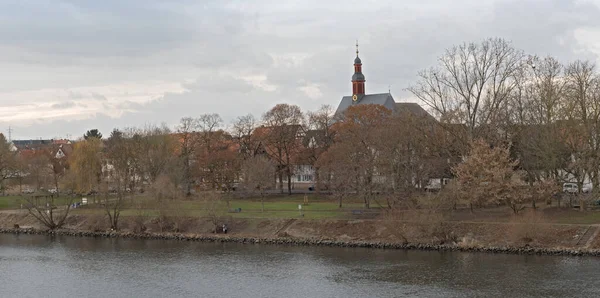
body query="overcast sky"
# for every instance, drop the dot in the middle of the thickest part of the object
(69, 66)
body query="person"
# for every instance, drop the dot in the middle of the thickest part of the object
(224, 229)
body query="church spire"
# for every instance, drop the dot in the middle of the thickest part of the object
(358, 79)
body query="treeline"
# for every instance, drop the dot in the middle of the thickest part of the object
(509, 127)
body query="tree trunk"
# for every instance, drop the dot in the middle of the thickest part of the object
(317, 181)
(280, 174)
(56, 185)
(289, 182)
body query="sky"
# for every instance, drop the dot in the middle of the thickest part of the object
(68, 66)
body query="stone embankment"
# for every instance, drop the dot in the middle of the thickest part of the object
(307, 242)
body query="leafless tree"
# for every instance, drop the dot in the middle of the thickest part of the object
(319, 137)
(7, 161)
(188, 140)
(45, 207)
(472, 84)
(284, 125)
(242, 130)
(258, 173)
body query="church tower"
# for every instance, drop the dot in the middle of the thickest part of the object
(358, 79)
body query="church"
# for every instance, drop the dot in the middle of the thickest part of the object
(360, 97)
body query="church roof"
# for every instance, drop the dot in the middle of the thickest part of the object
(412, 108)
(384, 99)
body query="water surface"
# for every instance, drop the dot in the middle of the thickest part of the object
(45, 266)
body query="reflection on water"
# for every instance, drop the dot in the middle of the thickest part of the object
(44, 266)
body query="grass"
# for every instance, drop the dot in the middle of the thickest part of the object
(284, 206)
(275, 207)
(10, 202)
(14, 202)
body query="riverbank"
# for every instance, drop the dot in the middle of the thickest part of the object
(518, 238)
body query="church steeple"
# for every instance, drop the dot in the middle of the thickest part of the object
(358, 79)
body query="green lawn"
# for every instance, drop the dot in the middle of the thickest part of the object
(275, 207)
(10, 202)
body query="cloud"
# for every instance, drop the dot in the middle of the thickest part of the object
(63, 105)
(69, 65)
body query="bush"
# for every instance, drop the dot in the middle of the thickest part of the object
(528, 228)
(419, 225)
(96, 223)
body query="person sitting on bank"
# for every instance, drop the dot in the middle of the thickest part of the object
(224, 229)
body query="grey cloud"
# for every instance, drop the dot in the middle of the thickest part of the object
(90, 43)
(98, 96)
(63, 105)
(214, 83)
(76, 95)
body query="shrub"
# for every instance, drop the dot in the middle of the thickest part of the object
(528, 228)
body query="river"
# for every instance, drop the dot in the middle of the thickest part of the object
(45, 266)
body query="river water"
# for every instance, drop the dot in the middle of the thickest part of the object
(45, 266)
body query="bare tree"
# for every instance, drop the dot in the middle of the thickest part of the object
(7, 161)
(155, 151)
(319, 137)
(242, 131)
(583, 112)
(188, 139)
(285, 124)
(215, 208)
(358, 142)
(472, 84)
(258, 173)
(44, 207)
(118, 161)
(339, 172)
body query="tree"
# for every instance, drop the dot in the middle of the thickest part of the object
(472, 85)
(212, 150)
(487, 175)
(243, 133)
(92, 133)
(154, 150)
(319, 137)
(258, 173)
(39, 168)
(43, 207)
(214, 207)
(188, 139)
(86, 165)
(413, 149)
(58, 166)
(7, 161)
(119, 171)
(582, 108)
(339, 172)
(358, 142)
(280, 139)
